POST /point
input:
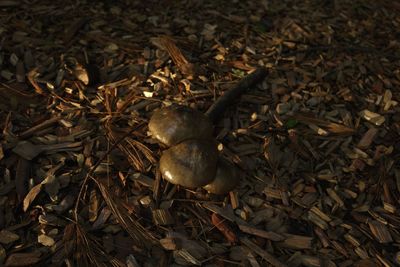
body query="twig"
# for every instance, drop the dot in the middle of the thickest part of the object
(19, 92)
(224, 101)
(38, 127)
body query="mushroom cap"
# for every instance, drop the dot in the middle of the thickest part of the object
(226, 178)
(174, 124)
(192, 163)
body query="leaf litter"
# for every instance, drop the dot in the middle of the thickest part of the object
(316, 141)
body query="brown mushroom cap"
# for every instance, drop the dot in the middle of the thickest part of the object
(192, 163)
(226, 178)
(174, 124)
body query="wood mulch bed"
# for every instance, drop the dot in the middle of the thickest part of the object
(317, 142)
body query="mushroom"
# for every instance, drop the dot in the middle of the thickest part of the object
(174, 124)
(191, 163)
(192, 159)
(226, 178)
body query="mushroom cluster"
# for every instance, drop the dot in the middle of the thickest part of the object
(192, 158)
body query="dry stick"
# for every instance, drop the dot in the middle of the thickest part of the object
(39, 127)
(224, 101)
(89, 174)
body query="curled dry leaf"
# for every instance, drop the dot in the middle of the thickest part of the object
(30, 197)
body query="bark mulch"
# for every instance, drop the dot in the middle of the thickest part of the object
(316, 142)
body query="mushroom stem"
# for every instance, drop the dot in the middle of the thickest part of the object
(227, 99)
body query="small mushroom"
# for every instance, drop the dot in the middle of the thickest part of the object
(226, 178)
(191, 163)
(174, 124)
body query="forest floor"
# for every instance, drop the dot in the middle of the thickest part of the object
(316, 142)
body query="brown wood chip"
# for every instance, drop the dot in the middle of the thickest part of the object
(380, 231)
(264, 254)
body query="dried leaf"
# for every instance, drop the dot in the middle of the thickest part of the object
(30, 197)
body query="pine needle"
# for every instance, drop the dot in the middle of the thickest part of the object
(137, 232)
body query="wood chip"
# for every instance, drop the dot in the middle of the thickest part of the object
(380, 231)
(7, 237)
(23, 259)
(264, 234)
(367, 138)
(224, 228)
(296, 242)
(335, 197)
(264, 254)
(162, 217)
(234, 199)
